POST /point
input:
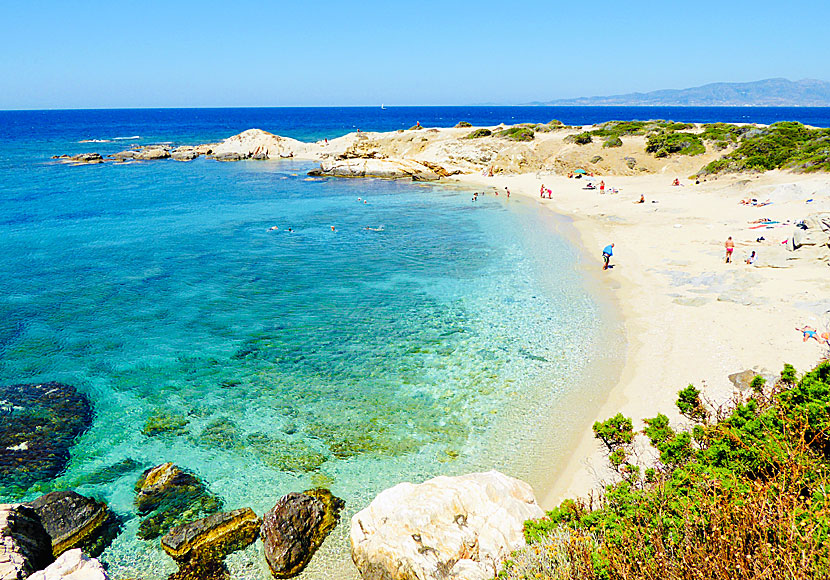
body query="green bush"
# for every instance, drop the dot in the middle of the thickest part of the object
(612, 142)
(517, 133)
(665, 143)
(581, 138)
(479, 133)
(463, 125)
(744, 495)
(785, 145)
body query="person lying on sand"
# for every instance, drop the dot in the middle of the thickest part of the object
(642, 199)
(808, 332)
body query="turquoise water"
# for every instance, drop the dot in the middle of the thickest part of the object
(352, 359)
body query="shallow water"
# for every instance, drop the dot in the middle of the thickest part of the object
(352, 359)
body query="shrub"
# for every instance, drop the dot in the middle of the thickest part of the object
(744, 497)
(612, 142)
(666, 143)
(463, 125)
(479, 133)
(581, 138)
(518, 133)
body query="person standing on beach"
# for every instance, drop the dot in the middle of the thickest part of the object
(607, 252)
(730, 247)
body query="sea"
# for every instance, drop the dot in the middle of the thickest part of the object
(425, 335)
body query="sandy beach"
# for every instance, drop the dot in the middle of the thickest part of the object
(689, 317)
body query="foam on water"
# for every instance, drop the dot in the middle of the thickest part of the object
(352, 359)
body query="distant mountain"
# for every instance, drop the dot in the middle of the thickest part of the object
(765, 93)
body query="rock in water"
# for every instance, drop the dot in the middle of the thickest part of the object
(73, 521)
(213, 537)
(38, 425)
(294, 528)
(200, 546)
(447, 527)
(25, 547)
(72, 565)
(170, 496)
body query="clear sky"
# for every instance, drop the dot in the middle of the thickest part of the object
(83, 54)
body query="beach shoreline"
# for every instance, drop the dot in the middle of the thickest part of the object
(688, 317)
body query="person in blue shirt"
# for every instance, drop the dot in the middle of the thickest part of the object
(607, 252)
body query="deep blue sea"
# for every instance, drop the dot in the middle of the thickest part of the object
(452, 337)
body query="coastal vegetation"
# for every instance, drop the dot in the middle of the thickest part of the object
(517, 133)
(741, 491)
(479, 133)
(665, 143)
(784, 145)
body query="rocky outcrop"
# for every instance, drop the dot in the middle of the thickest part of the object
(447, 527)
(199, 547)
(72, 565)
(75, 521)
(38, 425)
(25, 547)
(383, 168)
(295, 527)
(152, 153)
(259, 144)
(184, 153)
(169, 496)
(81, 158)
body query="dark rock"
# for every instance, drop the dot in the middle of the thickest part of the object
(212, 538)
(169, 496)
(25, 547)
(184, 154)
(264, 156)
(596, 159)
(630, 162)
(38, 425)
(87, 158)
(228, 157)
(294, 528)
(75, 521)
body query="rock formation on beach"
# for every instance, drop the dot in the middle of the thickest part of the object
(40, 423)
(72, 565)
(447, 527)
(25, 547)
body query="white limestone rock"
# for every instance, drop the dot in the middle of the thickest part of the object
(259, 144)
(72, 565)
(448, 527)
(384, 168)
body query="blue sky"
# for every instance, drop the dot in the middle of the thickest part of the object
(194, 54)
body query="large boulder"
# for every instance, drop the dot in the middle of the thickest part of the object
(213, 537)
(447, 527)
(295, 527)
(38, 425)
(169, 496)
(72, 565)
(75, 521)
(384, 168)
(25, 547)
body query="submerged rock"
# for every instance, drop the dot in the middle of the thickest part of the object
(75, 521)
(72, 565)
(199, 547)
(25, 547)
(295, 527)
(447, 527)
(169, 496)
(38, 425)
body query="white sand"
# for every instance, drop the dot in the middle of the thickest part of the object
(689, 317)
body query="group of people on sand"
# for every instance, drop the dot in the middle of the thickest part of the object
(729, 245)
(543, 190)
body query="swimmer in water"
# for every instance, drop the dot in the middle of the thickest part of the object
(377, 229)
(273, 229)
(332, 228)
